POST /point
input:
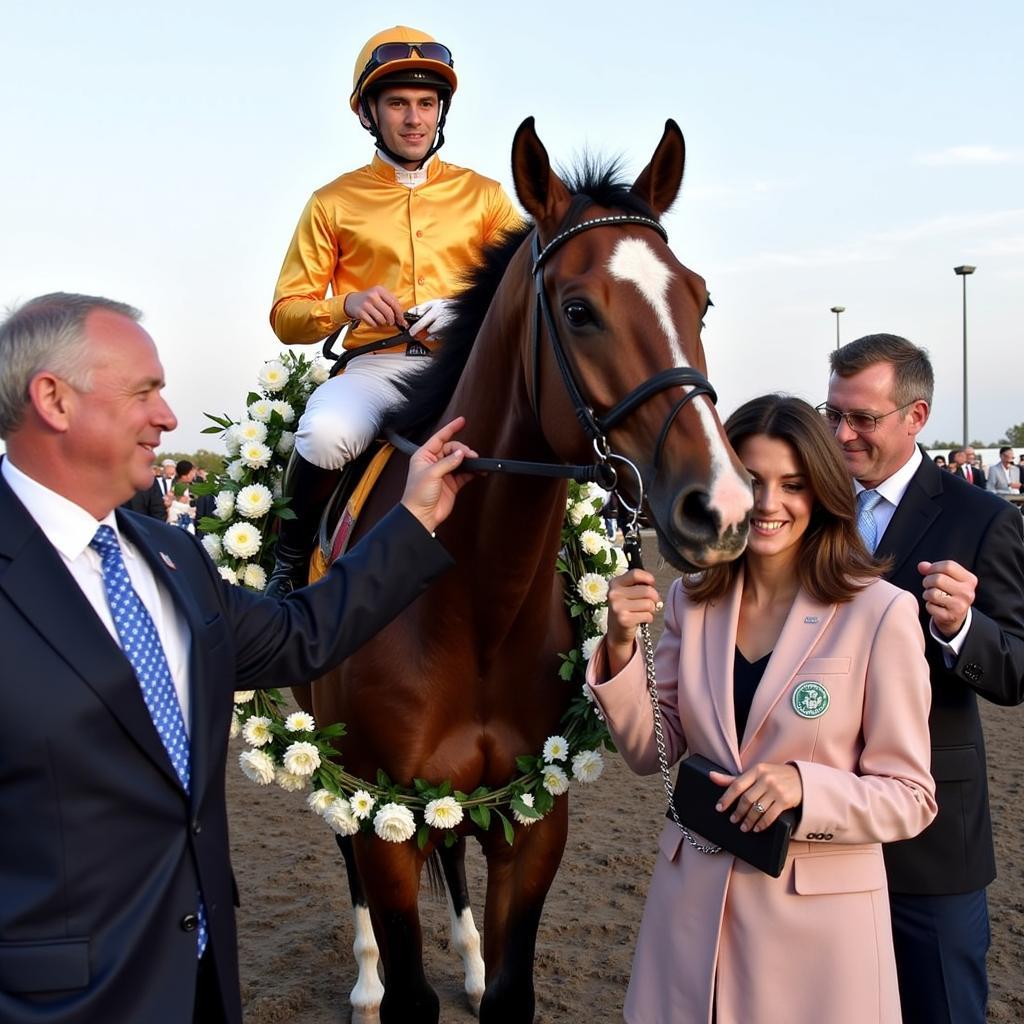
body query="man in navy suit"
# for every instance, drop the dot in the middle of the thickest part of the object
(116, 891)
(959, 550)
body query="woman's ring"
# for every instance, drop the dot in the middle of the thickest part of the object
(658, 605)
(760, 807)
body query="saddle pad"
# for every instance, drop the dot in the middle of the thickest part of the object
(318, 564)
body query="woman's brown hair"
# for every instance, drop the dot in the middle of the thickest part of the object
(833, 563)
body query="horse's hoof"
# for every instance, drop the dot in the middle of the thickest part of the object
(365, 1016)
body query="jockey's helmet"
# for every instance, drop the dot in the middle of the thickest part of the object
(402, 56)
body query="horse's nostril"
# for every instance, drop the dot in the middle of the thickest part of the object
(693, 519)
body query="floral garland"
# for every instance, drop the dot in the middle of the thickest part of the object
(290, 750)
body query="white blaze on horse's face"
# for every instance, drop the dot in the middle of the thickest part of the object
(634, 260)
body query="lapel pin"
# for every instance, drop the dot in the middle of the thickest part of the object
(167, 560)
(810, 699)
(810, 620)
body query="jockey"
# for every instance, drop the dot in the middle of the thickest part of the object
(395, 235)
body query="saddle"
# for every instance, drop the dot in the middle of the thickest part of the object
(342, 510)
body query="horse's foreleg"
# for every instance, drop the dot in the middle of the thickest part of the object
(518, 880)
(465, 937)
(390, 874)
(367, 993)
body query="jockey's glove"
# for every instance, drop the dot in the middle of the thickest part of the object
(432, 317)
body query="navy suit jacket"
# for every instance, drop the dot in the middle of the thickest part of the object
(101, 851)
(943, 516)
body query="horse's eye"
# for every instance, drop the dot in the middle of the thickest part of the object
(578, 314)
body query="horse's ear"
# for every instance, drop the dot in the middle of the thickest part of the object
(539, 189)
(658, 184)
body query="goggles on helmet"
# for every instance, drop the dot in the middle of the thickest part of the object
(387, 53)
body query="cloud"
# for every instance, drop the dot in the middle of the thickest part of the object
(961, 155)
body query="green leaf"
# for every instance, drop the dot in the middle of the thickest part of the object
(481, 817)
(450, 839)
(566, 670)
(479, 793)
(422, 835)
(543, 800)
(333, 731)
(285, 513)
(382, 779)
(444, 789)
(525, 809)
(526, 763)
(252, 397)
(211, 430)
(510, 833)
(420, 785)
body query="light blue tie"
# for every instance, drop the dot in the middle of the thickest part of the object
(866, 524)
(141, 645)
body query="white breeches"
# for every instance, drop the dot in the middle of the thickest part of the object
(344, 414)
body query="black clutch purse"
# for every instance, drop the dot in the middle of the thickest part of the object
(694, 800)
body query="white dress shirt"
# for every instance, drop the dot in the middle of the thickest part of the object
(69, 528)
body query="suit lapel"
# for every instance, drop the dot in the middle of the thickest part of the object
(46, 594)
(916, 512)
(147, 541)
(804, 625)
(720, 625)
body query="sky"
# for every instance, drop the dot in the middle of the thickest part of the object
(837, 154)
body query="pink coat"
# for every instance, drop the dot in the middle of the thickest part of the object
(815, 944)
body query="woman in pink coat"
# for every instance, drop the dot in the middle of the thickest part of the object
(805, 604)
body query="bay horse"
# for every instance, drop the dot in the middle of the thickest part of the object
(579, 335)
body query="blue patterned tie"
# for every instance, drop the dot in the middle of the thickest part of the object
(866, 524)
(141, 645)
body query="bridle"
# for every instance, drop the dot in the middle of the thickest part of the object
(596, 427)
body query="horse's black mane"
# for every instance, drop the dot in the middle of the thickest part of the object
(425, 396)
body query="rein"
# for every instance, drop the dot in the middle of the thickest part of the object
(596, 427)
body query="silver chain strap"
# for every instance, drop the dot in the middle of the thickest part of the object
(659, 739)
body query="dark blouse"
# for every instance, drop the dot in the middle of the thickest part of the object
(746, 676)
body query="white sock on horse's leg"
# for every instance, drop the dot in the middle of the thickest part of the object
(368, 992)
(466, 940)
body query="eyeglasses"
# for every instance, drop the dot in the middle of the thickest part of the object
(860, 422)
(388, 52)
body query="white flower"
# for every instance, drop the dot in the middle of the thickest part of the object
(255, 576)
(527, 799)
(254, 501)
(339, 816)
(319, 800)
(284, 410)
(394, 823)
(319, 371)
(235, 729)
(302, 758)
(273, 376)
(362, 803)
(589, 646)
(556, 748)
(244, 696)
(256, 731)
(556, 781)
(258, 766)
(224, 504)
(593, 587)
(228, 574)
(587, 766)
(254, 454)
(231, 441)
(290, 781)
(235, 471)
(211, 541)
(592, 542)
(445, 812)
(286, 442)
(620, 564)
(250, 430)
(589, 694)
(299, 721)
(601, 620)
(596, 496)
(260, 410)
(578, 511)
(242, 540)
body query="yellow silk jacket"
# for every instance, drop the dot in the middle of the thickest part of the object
(365, 229)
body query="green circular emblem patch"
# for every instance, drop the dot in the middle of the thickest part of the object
(810, 699)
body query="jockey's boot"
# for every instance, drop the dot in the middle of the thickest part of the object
(309, 487)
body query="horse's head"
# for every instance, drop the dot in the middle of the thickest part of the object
(622, 361)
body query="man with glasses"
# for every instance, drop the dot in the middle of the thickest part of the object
(960, 551)
(392, 237)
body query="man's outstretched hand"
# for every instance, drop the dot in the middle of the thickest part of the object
(433, 480)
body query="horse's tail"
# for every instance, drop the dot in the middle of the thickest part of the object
(435, 877)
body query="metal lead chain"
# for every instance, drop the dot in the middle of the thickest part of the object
(659, 739)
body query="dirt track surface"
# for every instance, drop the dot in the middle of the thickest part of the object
(295, 925)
